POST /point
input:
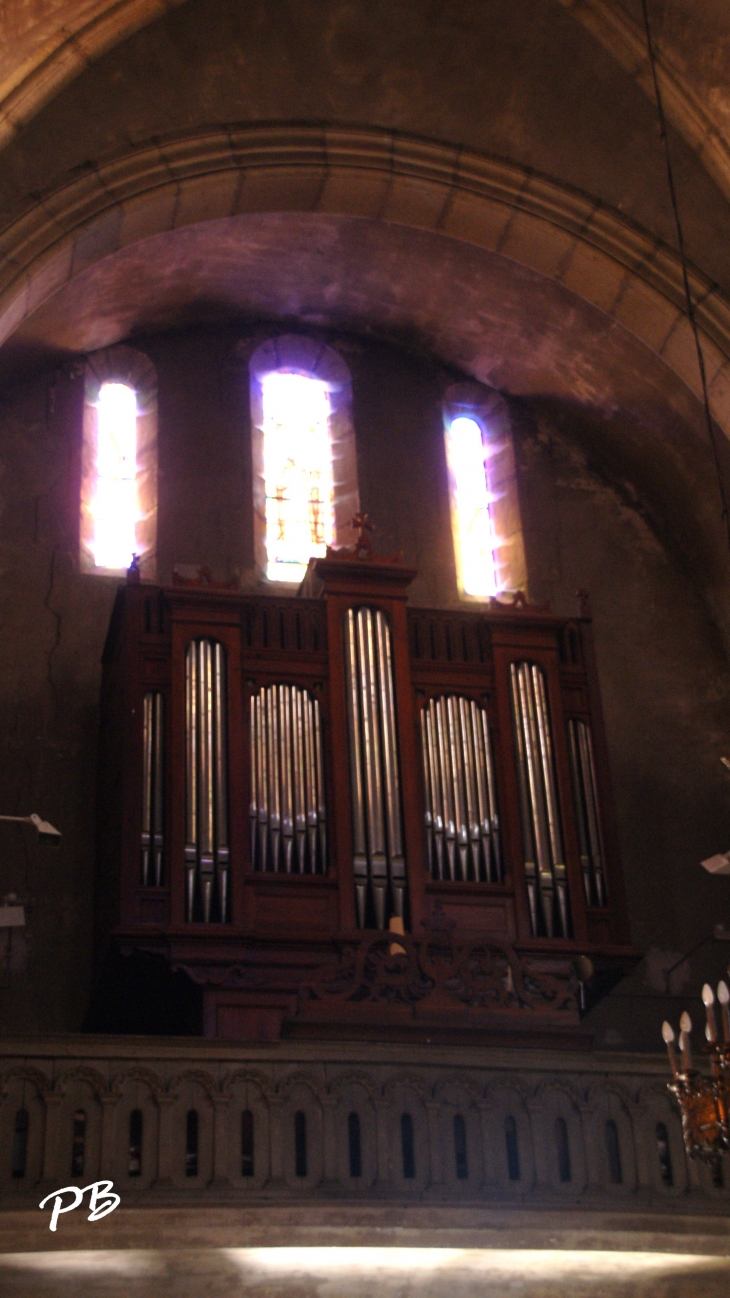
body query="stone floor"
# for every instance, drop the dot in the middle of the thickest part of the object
(356, 1272)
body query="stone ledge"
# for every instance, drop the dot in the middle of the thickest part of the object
(367, 1225)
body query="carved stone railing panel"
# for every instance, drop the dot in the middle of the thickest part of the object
(490, 1130)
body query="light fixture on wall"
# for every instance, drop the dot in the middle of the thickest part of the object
(13, 916)
(46, 832)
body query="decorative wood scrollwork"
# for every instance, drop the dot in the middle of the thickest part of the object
(483, 973)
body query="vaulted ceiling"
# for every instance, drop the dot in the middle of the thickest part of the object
(483, 178)
(46, 43)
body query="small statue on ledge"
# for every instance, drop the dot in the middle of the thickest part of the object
(363, 548)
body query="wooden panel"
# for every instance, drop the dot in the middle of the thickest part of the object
(575, 698)
(472, 913)
(600, 929)
(288, 911)
(153, 907)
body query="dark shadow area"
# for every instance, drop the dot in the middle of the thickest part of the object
(139, 995)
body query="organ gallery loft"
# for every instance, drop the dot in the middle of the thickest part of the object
(364, 633)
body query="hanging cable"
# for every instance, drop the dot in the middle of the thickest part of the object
(685, 275)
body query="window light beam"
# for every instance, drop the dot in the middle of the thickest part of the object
(114, 506)
(475, 542)
(297, 473)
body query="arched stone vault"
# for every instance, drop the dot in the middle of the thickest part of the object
(528, 285)
(48, 44)
(564, 235)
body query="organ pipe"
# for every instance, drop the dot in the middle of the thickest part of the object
(545, 869)
(152, 786)
(585, 795)
(288, 806)
(207, 856)
(377, 838)
(462, 821)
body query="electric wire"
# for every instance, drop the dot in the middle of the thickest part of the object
(691, 313)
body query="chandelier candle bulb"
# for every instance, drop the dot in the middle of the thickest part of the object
(668, 1035)
(685, 1024)
(723, 995)
(708, 1000)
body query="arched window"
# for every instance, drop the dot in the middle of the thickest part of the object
(485, 514)
(408, 1150)
(613, 1151)
(134, 1165)
(300, 1143)
(563, 1150)
(119, 462)
(513, 1148)
(665, 1154)
(78, 1143)
(304, 469)
(19, 1155)
(354, 1144)
(460, 1153)
(247, 1168)
(191, 1143)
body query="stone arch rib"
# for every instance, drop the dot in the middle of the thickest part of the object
(563, 234)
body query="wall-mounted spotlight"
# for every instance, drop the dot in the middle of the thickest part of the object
(719, 864)
(46, 832)
(13, 916)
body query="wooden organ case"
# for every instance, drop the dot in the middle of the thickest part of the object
(339, 814)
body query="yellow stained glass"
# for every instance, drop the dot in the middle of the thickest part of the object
(297, 473)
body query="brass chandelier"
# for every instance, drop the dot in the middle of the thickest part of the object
(704, 1101)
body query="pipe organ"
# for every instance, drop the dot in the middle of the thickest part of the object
(544, 858)
(378, 862)
(305, 773)
(288, 812)
(587, 815)
(153, 837)
(206, 782)
(462, 821)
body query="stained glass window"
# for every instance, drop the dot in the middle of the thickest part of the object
(114, 505)
(297, 473)
(475, 541)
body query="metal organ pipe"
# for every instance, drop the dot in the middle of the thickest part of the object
(359, 846)
(288, 806)
(396, 862)
(152, 788)
(461, 802)
(207, 856)
(545, 869)
(585, 795)
(378, 857)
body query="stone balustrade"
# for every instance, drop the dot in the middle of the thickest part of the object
(180, 1120)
